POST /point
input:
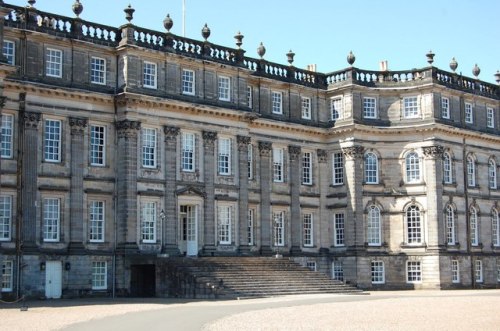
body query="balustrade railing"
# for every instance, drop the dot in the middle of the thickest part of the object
(33, 19)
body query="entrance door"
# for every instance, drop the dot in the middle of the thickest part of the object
(53, 279)
(189, 228)
(142, 280)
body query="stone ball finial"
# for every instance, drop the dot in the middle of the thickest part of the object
(261, 50)
(497, 77)
(31, 3)
(239, 39)
(77, 8)
(453, 64)
(205, 32)
(129, 13)
(430, 57)
(168, 23)
(351, 58)
(476, 71)
(289, 56)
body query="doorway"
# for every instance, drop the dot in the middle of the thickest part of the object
(143, 280)
(53, 279)
(189, 228)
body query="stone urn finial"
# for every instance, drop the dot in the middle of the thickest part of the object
(261, 50)
(168, 23)
(205, 32)
(239, 39)
(289, 57)
(31, 3)
(476, 71)
(77, 8)
(351, 58)
(497, 77)
(453, 64)
(129, 13)
(430, 57)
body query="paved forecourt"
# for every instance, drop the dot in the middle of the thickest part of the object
(409, 310)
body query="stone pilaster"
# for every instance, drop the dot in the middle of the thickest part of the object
(29, 179)
(126, 178)
(76, 235)
(170, 226)
(355, 234)
(434, 182)
(209, 138)
(243, 142)
(265, 150)
(324, 217)
(294, 153)
(2, 104)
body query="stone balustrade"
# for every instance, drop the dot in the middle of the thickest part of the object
(75, 28)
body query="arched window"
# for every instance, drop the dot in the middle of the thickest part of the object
(474, 227)
(373, 231)
(412, 162)
(413, 225)
(371, 168)
(447, 174)
(471, 171)
(450, 225)
(492, 174)
(495, 227)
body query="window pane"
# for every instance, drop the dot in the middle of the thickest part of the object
(97, 145)
(98, 71)
(7, 136)
(51, 210)
(52, 140)
(53, 65)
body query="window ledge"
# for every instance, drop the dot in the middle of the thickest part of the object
(410, 246)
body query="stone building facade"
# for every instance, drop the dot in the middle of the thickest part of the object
(124, 147)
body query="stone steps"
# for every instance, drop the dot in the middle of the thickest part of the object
(241, 277)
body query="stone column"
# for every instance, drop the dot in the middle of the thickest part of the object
(295, 182)
(354, 228)
(29, 176)
(325, 219)
(2, 104)
(433, 179)
(243, 142)
(76, 235)
(265, 149)
(126, 178)
(170, 225)
(209, 138)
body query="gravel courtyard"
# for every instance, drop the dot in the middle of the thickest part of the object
(408, 310)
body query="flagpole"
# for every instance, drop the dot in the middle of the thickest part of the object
(184, 18)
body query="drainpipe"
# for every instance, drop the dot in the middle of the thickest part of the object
(19, 213)
(467, 215)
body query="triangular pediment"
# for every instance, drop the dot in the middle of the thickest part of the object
(191, 190)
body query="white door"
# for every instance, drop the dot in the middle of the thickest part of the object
(191, 231)
(53, 279)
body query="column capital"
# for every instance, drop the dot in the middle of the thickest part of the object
(322, 155)
(31, 120)
(433, 152)
(2, 101)
(243, 142)
(294, 152)
(265, 148)
(353, 151)
(77, 125)
(127, 128)
(209, 138)
(171, 132)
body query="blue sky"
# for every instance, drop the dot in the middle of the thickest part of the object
(324, 31)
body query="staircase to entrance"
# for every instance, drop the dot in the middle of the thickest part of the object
(246, 277)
